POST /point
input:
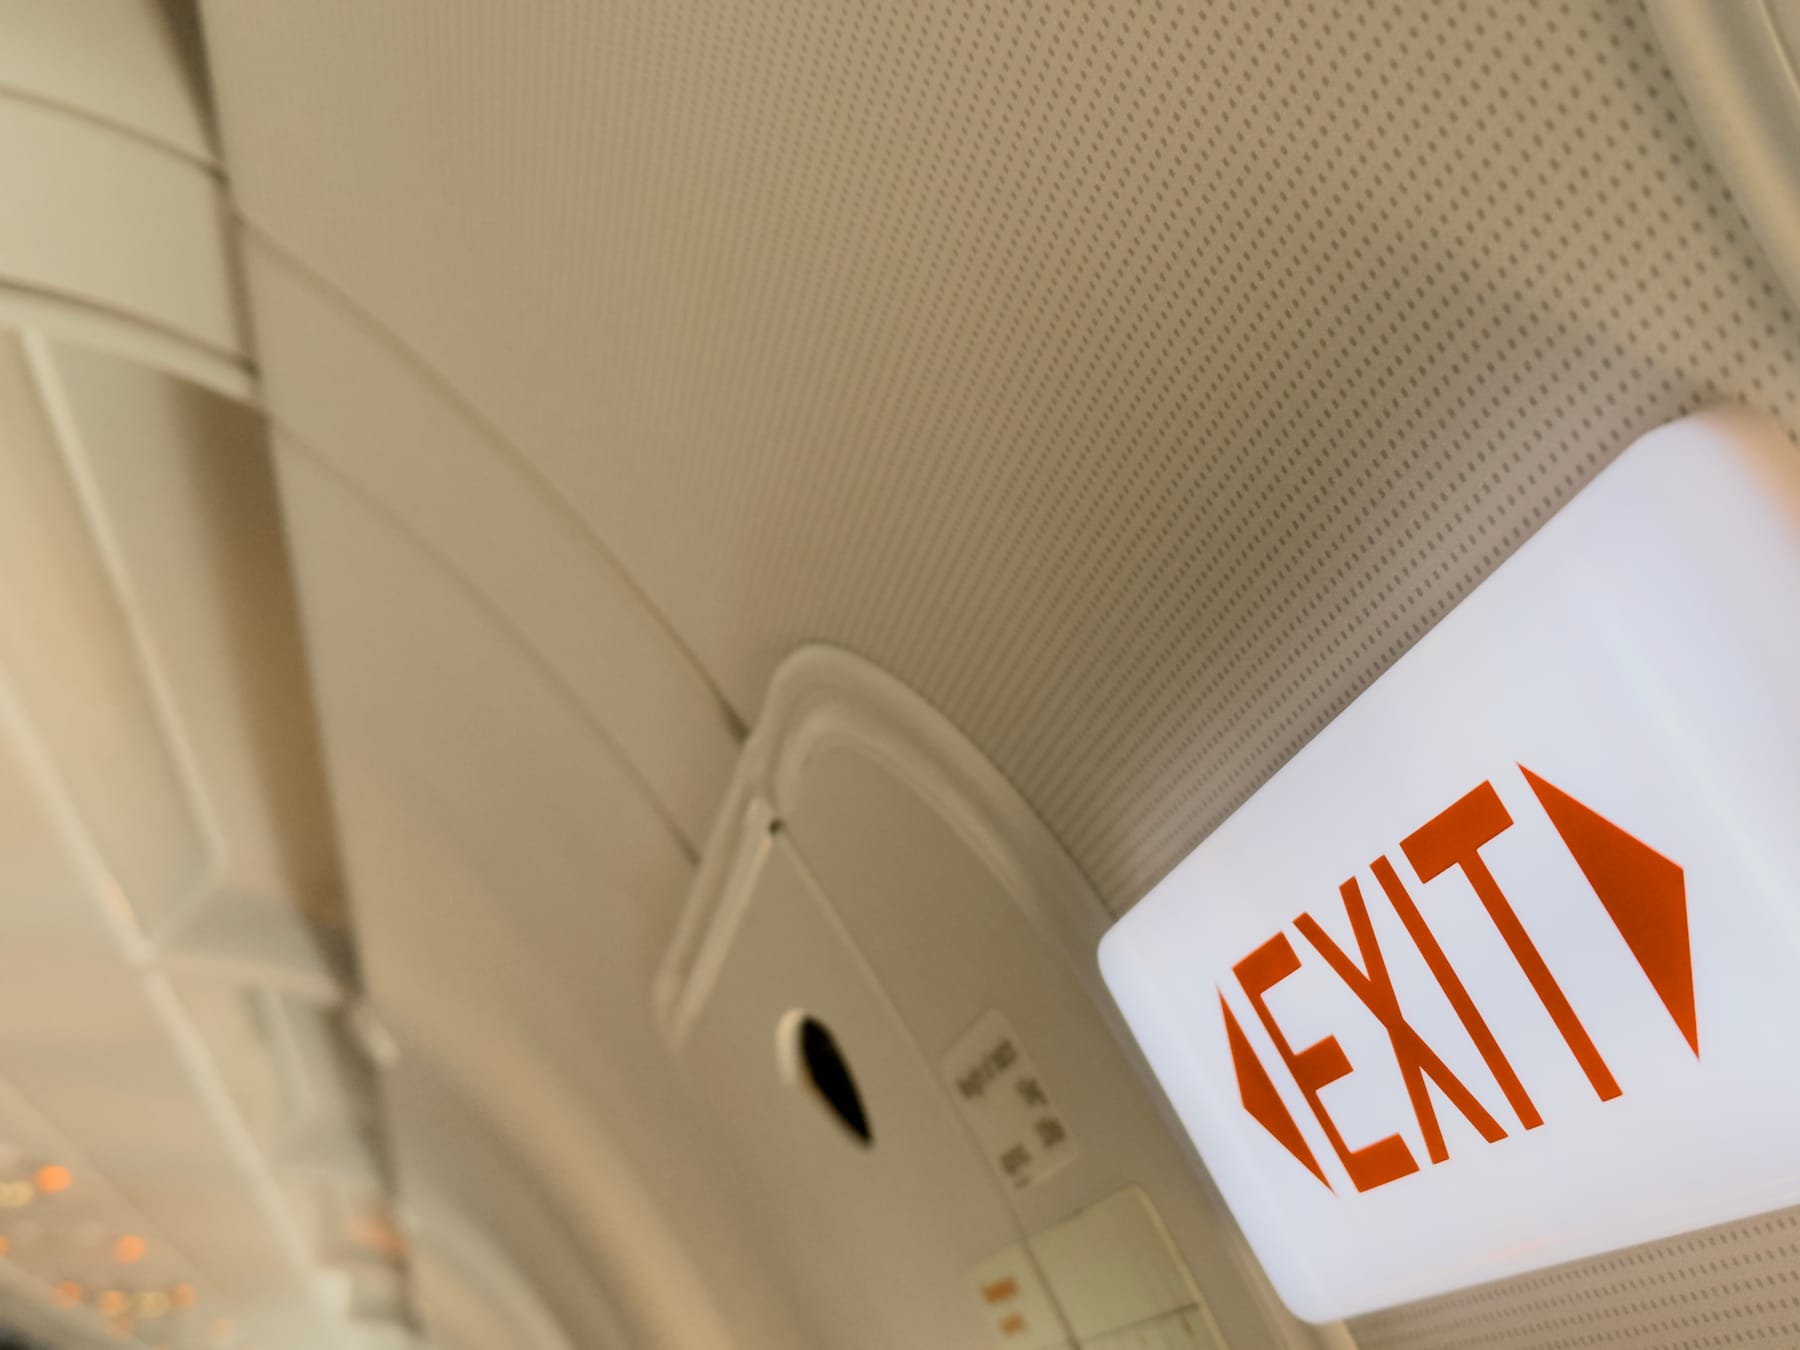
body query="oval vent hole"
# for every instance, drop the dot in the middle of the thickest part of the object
(830, 1076)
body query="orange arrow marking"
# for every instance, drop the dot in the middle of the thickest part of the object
(1644, 893)
(1261, 1099)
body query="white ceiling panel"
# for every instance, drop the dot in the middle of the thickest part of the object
(128, 64)
(104, 220)
(161, 782)
(1134, 383)
(514, 889)
(443, 478)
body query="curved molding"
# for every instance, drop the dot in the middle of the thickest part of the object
(649, 1287)
(474, 1288)
(130, 65)
(823, 696)
(117, 224)
(82, 323)
(341, 392)
(824, 701)
(1736, 64)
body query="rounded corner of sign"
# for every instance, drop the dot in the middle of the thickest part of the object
(1113, 957)
(1734, 429)
(1738, 421)
(1300, 1297)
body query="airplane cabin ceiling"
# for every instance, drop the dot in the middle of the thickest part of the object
(1135, 382)
(1132, 382)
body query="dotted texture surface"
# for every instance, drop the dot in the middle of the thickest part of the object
(1729, 1286)
(1135, 381)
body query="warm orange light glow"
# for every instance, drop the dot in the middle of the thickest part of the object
(376, 1233)
(53, 1177)
(113, 1303)
(151, 1304)
(4, 1244)
(129, 1248)
(184, 1296)
(67, 1294)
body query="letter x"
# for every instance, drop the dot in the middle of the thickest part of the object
(1416, 1059)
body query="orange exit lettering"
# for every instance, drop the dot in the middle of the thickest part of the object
(1643, 892)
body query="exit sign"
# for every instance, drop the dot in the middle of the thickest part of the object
(1503, 969)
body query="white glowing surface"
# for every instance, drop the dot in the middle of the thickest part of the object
(1641, 653)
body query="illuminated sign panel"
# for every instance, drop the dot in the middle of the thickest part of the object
(1503, 969)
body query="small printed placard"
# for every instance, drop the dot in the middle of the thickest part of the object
(1107, 1278)
(1119, 1280)
(1007, 1104)
(1019, 1310)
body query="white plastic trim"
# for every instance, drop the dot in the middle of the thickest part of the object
(1738, 73)
(822, 696)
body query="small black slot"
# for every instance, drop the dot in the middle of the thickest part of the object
(832, 1079)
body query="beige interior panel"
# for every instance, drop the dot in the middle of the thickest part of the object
(122, 815)
(130, 64)
(188, 496)
(113, 223)
(73, 656)
(514, 889)
(1135, 383)
(1739, 69)
(483, 1232)
(437, 474)
(1738, 1284)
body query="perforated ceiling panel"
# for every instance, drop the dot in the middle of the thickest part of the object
(1722, 1287)
(1135, 381)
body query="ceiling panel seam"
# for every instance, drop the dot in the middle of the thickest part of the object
(287, 442)
(275, 251)
(86, 323)
(135, 949)
(171, 726)
(207, 163)
(140, 322)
